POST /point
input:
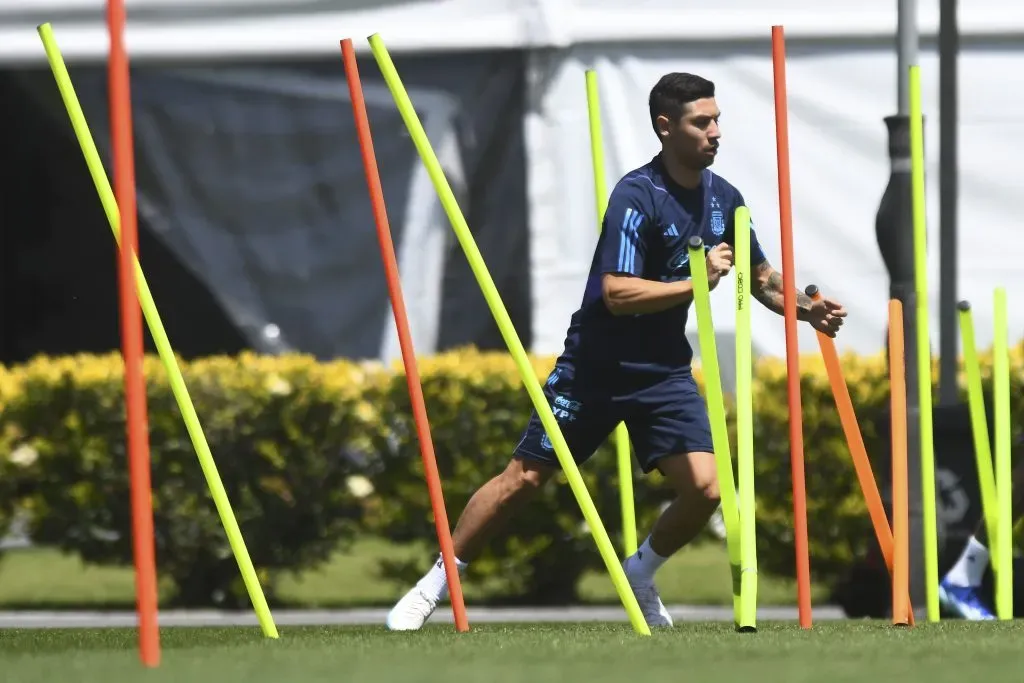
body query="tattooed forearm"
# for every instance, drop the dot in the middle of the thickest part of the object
(768, 289)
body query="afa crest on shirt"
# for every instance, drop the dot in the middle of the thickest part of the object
(717, 218)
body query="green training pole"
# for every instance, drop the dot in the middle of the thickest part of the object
(924, 358)
(508, 332)
(1004, 485)
(156, 329)
(622, 452)
(745, 425)
(716, 413)
(979, 428)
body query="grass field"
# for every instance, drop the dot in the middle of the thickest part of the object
(46, 579)
(596, 653)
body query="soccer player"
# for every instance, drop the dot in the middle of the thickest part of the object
(959, 588)
(626, 356)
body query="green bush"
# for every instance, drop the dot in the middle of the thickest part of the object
(312, 454)
(8, 492)
(284, 433)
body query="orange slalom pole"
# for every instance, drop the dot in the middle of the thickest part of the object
(900, 494)
(131, 339)
(858, 452)
(796, 436)
(419, 408)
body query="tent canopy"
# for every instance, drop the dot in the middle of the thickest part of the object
(237, 29)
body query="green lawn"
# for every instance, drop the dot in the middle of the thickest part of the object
(850, 652)
(37, 578)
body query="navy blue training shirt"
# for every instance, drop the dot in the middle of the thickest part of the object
(648, 223)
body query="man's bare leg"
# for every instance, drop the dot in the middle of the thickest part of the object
(494, 504)
(694, 478)
(485, 514)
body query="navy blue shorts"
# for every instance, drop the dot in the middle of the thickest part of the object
(665, 415)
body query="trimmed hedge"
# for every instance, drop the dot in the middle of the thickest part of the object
(285, 434)
(8, 453)
(312, 454)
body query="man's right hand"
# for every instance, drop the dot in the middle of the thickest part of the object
(719, 263)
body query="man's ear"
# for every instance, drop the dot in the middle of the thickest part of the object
(662, 124)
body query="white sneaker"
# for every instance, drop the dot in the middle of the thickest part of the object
(411, 612)
(651, 606)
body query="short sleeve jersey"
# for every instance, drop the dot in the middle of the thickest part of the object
(646, 228)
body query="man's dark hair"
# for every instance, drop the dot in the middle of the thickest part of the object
(674, 91)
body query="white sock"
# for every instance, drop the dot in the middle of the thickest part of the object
(970, 568)
(435, 582)
(645, 562)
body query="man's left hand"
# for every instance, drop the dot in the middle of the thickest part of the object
(826, 316)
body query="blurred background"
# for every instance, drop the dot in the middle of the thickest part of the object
(256, 231)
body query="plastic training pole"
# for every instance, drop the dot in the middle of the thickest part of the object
(1004, 485)
(141, 490)
(419, 408)
(745, 425)
(156, 329)
(900, 491)
(716, 413)
(924, 357)
(796, 434)
(979, 428)
(858, 452)
(622, 452)
(508, 332)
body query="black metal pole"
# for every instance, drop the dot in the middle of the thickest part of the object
(949, 45)
(907, 46)
(894, 231)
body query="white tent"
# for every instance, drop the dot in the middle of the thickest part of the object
(841, 83)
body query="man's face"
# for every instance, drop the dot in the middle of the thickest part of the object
(693, 139)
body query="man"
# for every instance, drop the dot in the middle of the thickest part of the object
(626, 355)
(960, 587)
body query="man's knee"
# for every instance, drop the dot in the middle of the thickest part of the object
(526, 476)
(693, 476)
(708, 488)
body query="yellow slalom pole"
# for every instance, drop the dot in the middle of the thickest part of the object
(1001, 406)
(716, 413)
(156, 328)
(745, 425)
(979, 427)
(508, 332)
(622, 452)
(924, 357)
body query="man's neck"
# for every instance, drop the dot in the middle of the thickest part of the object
(681, 175)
